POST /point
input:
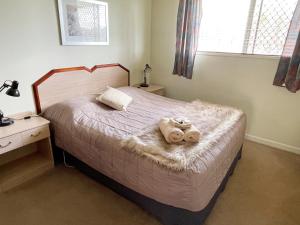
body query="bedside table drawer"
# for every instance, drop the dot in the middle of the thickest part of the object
(35, 135)
(10, 143)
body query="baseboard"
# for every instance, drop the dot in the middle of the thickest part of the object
(273, 144)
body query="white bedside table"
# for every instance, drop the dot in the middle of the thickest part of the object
(153, 88)
(25, 151)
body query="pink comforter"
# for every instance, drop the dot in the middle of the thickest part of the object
(93, 133)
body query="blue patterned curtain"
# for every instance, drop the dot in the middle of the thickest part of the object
(288, 72)
(188, 25)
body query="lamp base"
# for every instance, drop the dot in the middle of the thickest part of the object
(4, 122)
(144, 85)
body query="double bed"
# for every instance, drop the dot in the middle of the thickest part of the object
(93, 136)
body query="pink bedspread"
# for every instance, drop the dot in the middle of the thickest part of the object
(93, 133)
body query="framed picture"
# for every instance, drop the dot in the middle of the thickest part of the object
(83, 22)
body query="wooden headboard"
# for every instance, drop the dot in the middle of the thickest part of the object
(62, 84)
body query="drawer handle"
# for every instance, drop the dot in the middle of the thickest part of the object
(35, 135)
(4, 146)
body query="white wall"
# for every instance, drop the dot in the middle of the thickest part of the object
(30, 44)
(244, 82)
(30, 47)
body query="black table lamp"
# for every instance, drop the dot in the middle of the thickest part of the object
(12, 91)
(147, 71)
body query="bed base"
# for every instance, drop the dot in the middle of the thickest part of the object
(167, 215)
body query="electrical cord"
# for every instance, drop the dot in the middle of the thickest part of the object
(23, 118)
(65, 162)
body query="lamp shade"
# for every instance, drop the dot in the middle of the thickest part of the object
(148, 69)
(13, 90)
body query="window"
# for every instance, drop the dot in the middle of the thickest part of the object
(245, 26)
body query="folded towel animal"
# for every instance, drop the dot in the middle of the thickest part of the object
(181, 123)
(192, 134)
(171, 133)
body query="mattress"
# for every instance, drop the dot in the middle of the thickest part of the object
(93, 133)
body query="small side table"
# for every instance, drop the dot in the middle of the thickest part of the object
(153, 88)
(25, 151)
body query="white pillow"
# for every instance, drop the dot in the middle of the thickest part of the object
(115, 99)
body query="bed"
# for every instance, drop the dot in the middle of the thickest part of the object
(92, 135)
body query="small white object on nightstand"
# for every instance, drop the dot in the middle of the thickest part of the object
(153, 88)
(25, 151)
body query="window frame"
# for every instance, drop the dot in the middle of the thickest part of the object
(246, 43)
(237, 55)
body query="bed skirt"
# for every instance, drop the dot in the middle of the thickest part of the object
(166, 214)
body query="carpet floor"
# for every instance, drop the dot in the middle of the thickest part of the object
(264, 190)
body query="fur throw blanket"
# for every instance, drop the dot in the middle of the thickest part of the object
(213, 121)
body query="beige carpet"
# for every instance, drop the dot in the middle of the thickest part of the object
(264, 190)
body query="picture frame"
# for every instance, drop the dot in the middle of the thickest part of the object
(83, 22)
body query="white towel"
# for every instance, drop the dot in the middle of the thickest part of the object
(192, 135)
(181, 123)
(171, 133)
